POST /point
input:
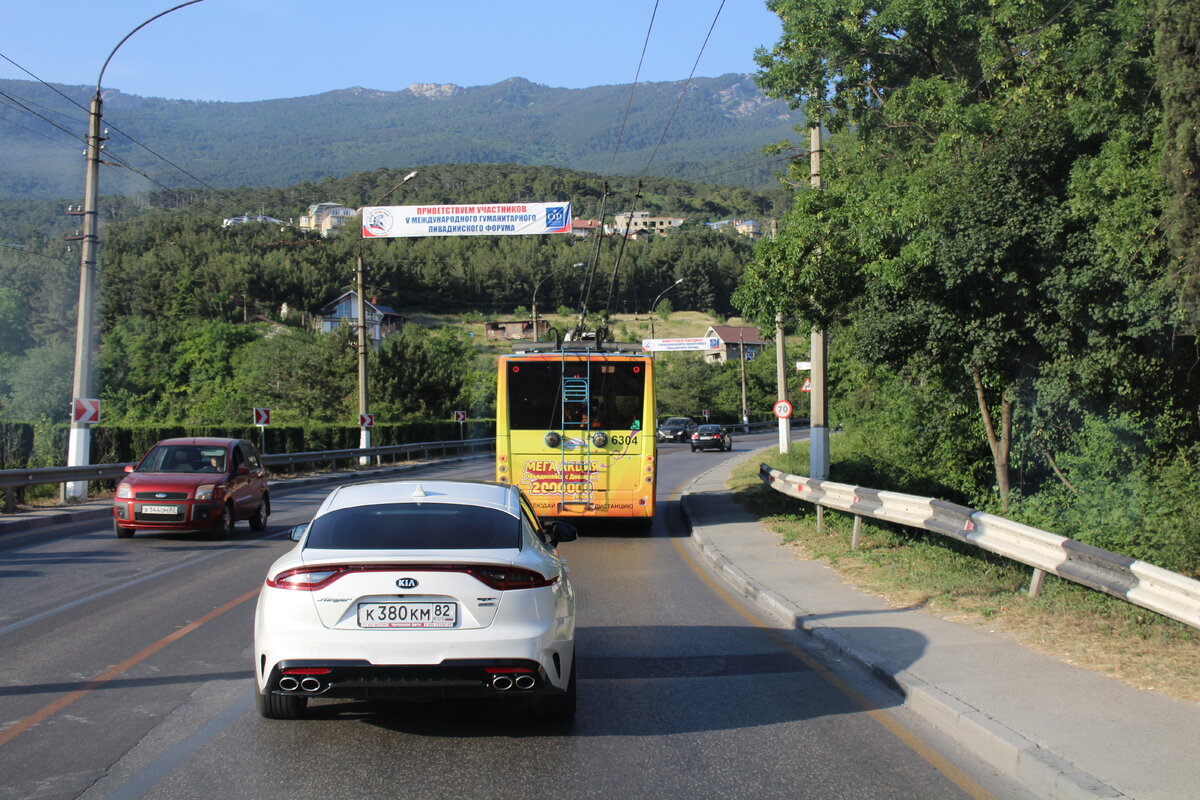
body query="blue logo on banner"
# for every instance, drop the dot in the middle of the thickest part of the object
(556, 216)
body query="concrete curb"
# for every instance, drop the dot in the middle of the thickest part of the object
(1036, 769)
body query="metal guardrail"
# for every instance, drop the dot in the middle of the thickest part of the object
(1146, 585)
(17, 479)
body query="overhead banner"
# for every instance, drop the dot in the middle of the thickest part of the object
(501, 219)
(661, 345)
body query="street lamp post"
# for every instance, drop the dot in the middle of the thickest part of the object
(364, 432)
(83, 385)
(655, 303)
(536, 335)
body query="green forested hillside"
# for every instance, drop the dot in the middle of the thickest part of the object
(180, 293)
(719, 131)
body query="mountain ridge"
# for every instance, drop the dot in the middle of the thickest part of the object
(718, 127)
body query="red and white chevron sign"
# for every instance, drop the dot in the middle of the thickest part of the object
(85, 410)
(366, 420)
(262, 416)
(460, 416)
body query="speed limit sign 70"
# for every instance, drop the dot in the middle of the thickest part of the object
(783, 409)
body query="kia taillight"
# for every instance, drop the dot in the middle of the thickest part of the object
(309, 579)
(306, 579)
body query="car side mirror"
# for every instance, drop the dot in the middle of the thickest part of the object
(561, 532)
(297, 533)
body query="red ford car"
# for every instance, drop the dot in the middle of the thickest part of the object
(193, 485)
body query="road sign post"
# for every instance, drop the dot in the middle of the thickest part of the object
(262, 418)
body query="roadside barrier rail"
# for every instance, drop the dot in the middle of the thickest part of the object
(1138, 582)
(13, 481)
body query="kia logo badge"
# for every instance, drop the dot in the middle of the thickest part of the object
(407, 583)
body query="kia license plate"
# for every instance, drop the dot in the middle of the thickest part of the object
(407, 615)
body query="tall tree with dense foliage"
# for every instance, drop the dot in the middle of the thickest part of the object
(990, 216)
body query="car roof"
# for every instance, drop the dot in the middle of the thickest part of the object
(486, 494)
(202, 441)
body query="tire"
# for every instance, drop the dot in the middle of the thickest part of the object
(693, 449)
(259, 521)
(279, 706)
(224, 528)
(729, 446)
(558, 706)
(121, 531)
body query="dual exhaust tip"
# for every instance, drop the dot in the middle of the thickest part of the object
(289, 684)
(503, 683)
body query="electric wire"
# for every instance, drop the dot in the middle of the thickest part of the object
(115, 129)
(612, 284)
(590, 275)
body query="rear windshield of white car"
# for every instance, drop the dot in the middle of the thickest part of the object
(414, 526)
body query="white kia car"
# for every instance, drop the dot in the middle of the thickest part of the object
(419, 589)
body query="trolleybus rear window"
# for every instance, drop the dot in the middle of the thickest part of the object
(616, 389)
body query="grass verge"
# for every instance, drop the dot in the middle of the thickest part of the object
(910, 567)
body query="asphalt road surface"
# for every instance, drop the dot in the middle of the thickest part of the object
(126, 673)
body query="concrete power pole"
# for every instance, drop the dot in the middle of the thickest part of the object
(785, 423)
(818, 447)
(79, 442)
(742, 362)
(364, 433)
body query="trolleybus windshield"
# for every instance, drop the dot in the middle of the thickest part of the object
(616, 390)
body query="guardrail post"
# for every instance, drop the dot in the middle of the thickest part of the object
(1035, 583)
(857, 532)
(10, 504)
(820, 518)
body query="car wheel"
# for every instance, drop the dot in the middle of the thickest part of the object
(224, 528)
(259, 521)
(121, 531)
(729, 446)
(693, 449)
(558, 706)
(279, 706)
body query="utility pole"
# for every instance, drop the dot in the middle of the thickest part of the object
(83, 385)
(79, 441)
(742, 360)
(364, 432)
(785, 423)
(818, 442)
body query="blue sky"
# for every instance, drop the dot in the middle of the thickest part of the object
(238, 50)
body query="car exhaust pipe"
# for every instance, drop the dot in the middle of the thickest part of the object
(310, 685)
(288, 684)
(502, 683)
(525, 682)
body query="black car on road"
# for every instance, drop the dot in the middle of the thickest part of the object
(676, 429)
(711, 436)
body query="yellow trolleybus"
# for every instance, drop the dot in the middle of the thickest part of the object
(575, 429)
